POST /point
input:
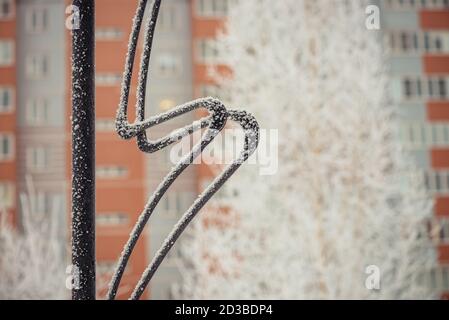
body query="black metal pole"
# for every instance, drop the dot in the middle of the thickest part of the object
(83, 152)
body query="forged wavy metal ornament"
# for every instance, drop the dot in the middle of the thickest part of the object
(213, 124)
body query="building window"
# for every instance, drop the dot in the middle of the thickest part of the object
(36, 20)
(166, 20)
(111, 172)
(407, 88)
(175, 203)
(439, 230)
(38, 158)
(105, 125)
(111, 219)
(7, 196)
(207, 51)
(437, 181)
(108, 34)
(417, 4)
(406, 43)
(108, 79)
(6, 9)
(421, 88)
(437, 88)
(6, 99)
(418, 42)
(437, 41)
(169, 205)
(421, 135)
(168, 65)
(212, 8)
(37, 66)
(438, 278)
(6, 146)
(6, 53)
(37, 111)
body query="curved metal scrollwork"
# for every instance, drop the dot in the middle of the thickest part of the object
(213, 124)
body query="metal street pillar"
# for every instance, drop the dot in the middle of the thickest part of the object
(83, 151)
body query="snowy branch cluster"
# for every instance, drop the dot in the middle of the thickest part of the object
(32, 257)
(345, 196)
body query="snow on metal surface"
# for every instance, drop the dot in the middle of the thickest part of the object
(215, 122)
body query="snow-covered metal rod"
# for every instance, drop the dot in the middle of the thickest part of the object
(214, 123)
(83, 152)
(251, 128)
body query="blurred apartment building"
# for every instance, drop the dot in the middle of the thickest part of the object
(417, 37)
(35, 74)
(35, 114)
(35, 107)
(417, 34)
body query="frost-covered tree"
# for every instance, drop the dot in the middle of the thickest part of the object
(344, 197)
(32, 263)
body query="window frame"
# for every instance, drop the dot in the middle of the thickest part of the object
(11, 152)
(121, 219)
(109, 33)
(174, 70)
(106, 172)
(42, 20)
(408, 5)
(105, 125)
(206, 51)
(33, 105)
(38, 158)
(209, 8)
(12, 12)
(7, 195)
(435, 42)
(171, 12)
(421, 135)
(10, 43)
(31, 70)
(4, 109)
(108, 79)
(424, 88)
